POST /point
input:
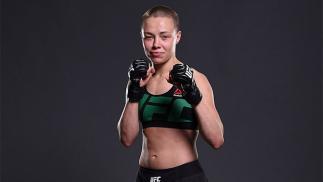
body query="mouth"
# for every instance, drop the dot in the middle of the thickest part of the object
(156, 54)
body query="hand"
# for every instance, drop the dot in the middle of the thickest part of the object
(182, 76)
(138, 69)
(139, 74)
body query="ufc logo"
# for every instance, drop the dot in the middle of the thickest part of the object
(155, 179)
(188, 72)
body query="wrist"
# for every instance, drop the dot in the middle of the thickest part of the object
(135, 92)
(193, 94)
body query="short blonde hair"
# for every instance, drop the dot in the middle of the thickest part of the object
(161, 11)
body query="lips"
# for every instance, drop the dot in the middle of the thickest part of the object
(156, 54)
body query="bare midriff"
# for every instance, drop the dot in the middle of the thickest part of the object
(164, 148)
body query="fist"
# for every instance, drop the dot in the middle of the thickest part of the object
(181, 75)
(138, 69)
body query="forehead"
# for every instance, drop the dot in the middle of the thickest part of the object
(158, 24)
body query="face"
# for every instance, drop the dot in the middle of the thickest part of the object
(159, 38)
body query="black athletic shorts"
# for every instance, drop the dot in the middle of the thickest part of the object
(188, 172)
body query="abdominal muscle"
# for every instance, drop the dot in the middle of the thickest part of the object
(164, 148)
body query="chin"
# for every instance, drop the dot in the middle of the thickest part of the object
(158, 60)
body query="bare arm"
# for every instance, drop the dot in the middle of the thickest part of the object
(128, 125)
(210, 124)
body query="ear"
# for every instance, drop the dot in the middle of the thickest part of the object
(141, 34)
(178, 36)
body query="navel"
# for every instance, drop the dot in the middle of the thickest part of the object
(154, 156)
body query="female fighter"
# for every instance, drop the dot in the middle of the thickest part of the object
(171, 101)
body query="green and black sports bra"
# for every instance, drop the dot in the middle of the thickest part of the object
(168, 110)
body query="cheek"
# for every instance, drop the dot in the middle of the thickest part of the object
(170, 44)
(147, 44)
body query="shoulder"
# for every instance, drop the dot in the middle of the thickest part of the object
(199, 77)
(204, 86)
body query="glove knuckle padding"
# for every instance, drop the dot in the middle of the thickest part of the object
(138, 69)
(179, 74)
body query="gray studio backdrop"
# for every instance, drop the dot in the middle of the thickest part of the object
(64, 71)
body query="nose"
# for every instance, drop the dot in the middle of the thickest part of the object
(156, 43)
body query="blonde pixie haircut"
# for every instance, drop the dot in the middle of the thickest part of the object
(161, 11)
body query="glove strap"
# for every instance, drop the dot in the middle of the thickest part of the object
(193, 94)
(135, 92)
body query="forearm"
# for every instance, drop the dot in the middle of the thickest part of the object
(128, 125)
(210, 124)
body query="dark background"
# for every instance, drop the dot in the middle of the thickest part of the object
(64, 71)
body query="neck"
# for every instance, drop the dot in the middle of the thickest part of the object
(165, 68)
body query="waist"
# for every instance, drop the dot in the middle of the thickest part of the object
(164, 148)
(187, 169)
(166, 159)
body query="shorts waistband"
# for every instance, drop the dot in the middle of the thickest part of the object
(187, 168)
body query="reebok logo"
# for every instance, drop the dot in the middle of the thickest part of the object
(155, 179)
(178, 92)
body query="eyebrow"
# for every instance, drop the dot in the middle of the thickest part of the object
(165, 32)
(148, 33)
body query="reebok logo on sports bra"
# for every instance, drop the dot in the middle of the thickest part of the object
(168, 110)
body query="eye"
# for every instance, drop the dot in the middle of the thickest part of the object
(148, 37)
(165, 37)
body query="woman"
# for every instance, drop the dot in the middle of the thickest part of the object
(172, 101)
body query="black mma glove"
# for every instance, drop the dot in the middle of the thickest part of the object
(182, 76)
(137, 71)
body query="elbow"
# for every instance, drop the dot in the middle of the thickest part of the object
(124, 139)
(127, 137)
(216, 144)
(126, 143)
